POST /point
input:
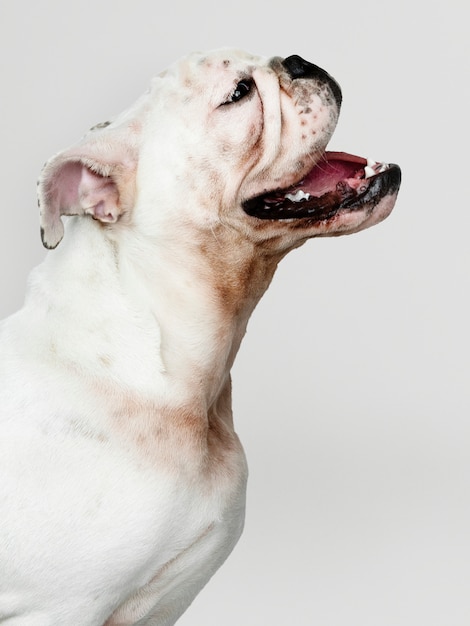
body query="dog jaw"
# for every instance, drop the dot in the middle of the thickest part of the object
(340, 195)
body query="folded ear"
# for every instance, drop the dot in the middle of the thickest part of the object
(95, 178)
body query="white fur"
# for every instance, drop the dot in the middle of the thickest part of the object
(122, 482)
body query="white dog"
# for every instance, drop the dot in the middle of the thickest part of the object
(122, 481)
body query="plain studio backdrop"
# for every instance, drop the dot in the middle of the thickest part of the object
(351, 389)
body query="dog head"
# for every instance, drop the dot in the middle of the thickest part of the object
(221, 140)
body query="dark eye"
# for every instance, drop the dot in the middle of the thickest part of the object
(241, 90)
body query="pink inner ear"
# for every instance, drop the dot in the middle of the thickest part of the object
(98, 196)
(65, 186)
(80, 191)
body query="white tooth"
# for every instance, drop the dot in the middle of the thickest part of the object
(297, 196)
(371, 162)
(369, 171)
(384, 167)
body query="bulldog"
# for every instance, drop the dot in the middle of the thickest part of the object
(122, 479)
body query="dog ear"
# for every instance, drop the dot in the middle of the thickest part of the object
(95, 178)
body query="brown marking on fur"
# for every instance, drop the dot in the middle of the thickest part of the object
(159, 436)
(220, 419)
(233, 284)
(237, 270)
(225, 458)
(191, 442)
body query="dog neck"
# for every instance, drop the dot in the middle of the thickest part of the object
(167, 330)
(201, 289)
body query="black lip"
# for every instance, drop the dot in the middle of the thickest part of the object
(326, 206)
(381, 185)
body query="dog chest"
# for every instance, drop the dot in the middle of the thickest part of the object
(102, 518)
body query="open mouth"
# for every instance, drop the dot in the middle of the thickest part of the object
(338, 182)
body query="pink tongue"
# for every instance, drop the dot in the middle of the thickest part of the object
(332, 169)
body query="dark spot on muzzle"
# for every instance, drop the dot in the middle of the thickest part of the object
(297, 67)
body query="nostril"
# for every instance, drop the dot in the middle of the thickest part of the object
(297, 67)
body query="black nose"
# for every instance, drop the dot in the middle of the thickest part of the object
(297, 67)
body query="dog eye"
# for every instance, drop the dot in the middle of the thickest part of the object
(242, 89)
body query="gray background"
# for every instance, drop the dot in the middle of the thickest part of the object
(351, 388)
